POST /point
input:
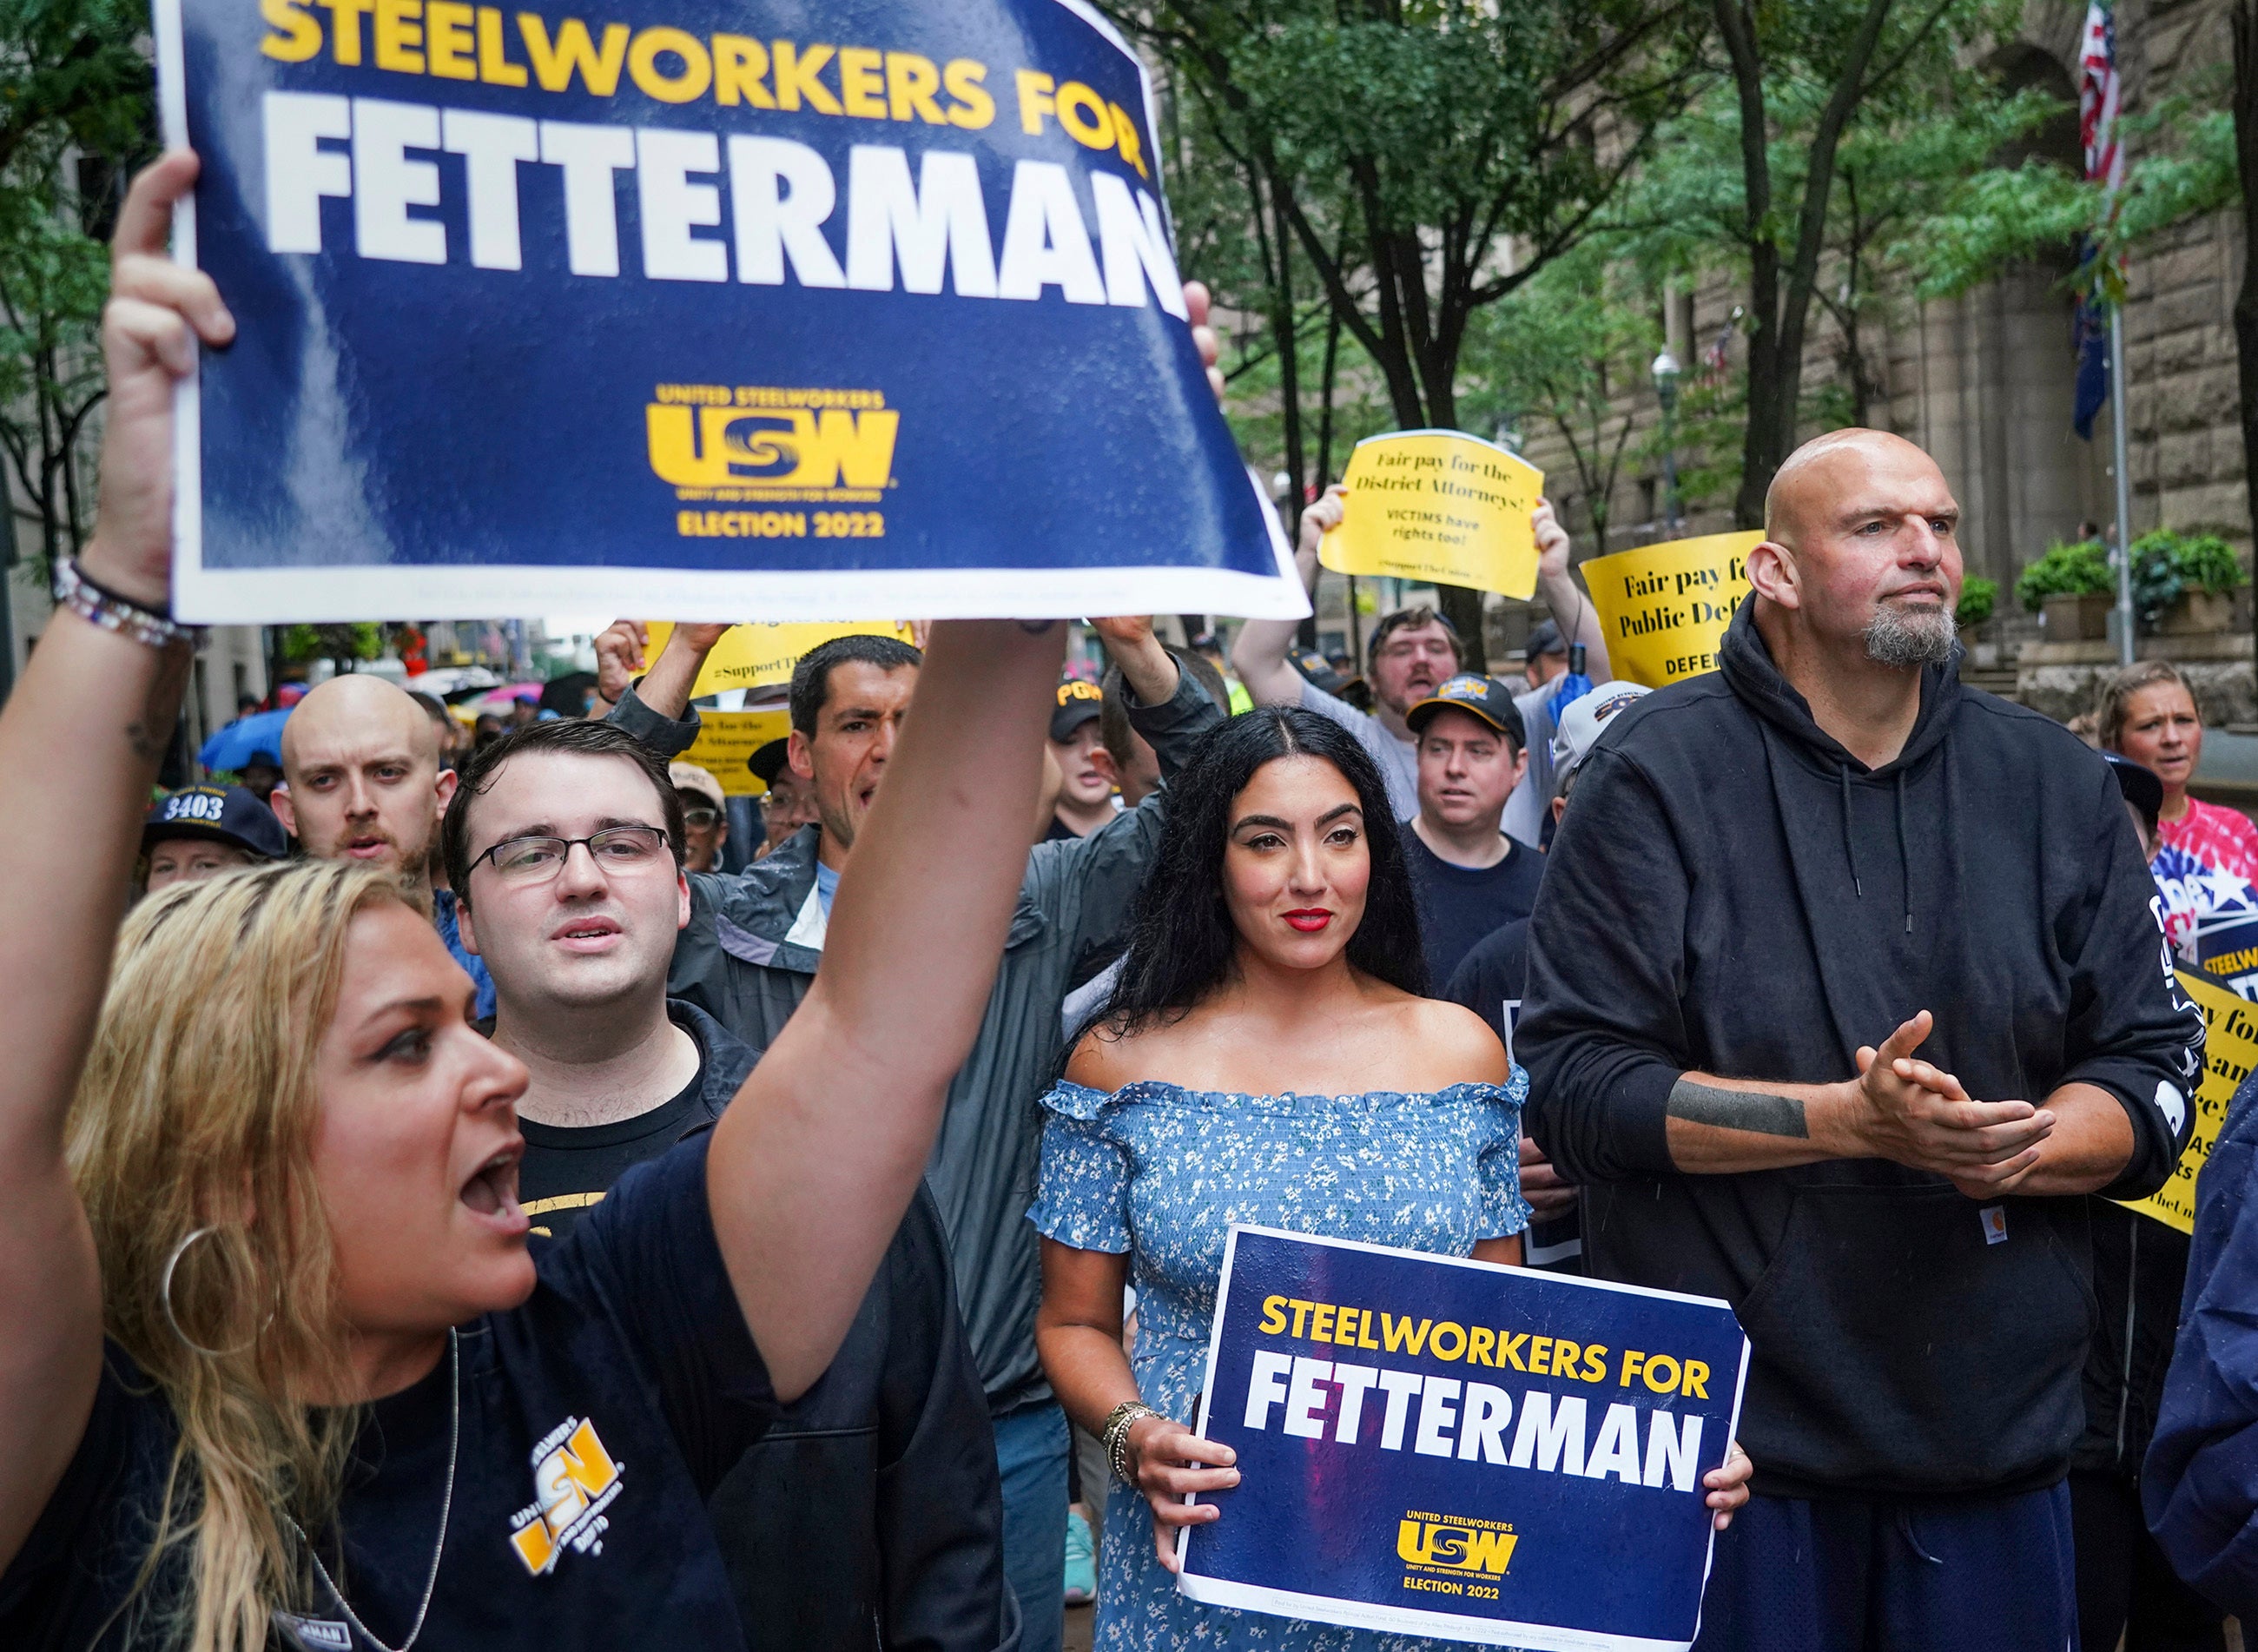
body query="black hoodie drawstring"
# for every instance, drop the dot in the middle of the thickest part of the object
(1849, 846)
(1904, 859)
(1850, 842)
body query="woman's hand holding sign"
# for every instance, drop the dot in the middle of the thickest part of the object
(1167, 1462)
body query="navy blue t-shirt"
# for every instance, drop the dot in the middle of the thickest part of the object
(1460, 905)
(595, 1419)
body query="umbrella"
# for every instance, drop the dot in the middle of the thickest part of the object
(1572, 684)
(233, 746)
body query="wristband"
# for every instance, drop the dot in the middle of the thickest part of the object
(98, 606)
(1115, 1434)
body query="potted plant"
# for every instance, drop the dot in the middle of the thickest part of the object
(2070, 589)
(2183, 584)
(1978, 596)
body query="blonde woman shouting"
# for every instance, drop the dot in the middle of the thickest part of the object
(276, 1364)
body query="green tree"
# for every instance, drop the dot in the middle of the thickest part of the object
(1403, 146)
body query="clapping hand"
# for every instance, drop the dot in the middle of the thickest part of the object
(1913, 1112)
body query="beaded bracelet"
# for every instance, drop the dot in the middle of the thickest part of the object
(75, 591)
(1115, 1436)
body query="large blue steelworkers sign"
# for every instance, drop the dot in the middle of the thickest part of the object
(720, 310)
(1430, 1446)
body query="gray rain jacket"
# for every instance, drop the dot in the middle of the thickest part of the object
(750, 955)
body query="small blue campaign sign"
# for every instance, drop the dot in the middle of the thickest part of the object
(1434, 1446)
(723, 310)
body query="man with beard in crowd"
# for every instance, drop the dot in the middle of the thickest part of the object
(1824, 846)
(362, 781)
(1409, 654)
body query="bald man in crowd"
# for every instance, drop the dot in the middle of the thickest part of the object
(1889, 860)
(361, 781)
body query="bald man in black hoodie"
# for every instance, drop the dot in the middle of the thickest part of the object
(1825, 847)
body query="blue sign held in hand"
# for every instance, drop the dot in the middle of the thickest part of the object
(1433, 1446)
(688, 307)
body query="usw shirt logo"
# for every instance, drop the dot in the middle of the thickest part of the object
(574, 1481)
(794, 452)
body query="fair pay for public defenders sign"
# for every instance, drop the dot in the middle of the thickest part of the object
(718, 309)
(1434, 1446)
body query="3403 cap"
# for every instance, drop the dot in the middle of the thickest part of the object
(223, 814)
(1583, 719)
(1078, 702)
(1486, 697)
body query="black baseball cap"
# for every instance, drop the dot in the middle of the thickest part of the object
(2140, 786)
(224, 813)
(1545, 639)
(1317, 671)
(1078, 702)
(767, 762)
(1485, 697)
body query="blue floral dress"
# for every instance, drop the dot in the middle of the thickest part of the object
(1161, 1172)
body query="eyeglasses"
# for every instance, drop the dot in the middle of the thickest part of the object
(531, 860)
(699, 819)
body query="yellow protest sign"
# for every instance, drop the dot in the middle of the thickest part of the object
(2230, 1049)
(1664, 608)
(759, 656)
(1440, 506)
(726, 739)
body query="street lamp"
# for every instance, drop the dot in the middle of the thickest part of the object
(1665, 370)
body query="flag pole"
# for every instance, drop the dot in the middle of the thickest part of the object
(2124, 649)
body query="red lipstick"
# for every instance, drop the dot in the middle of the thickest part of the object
(1308, 920)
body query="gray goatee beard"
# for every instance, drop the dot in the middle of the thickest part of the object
(1910, 637)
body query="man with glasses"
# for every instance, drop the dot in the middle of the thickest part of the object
(874, 1500)
(705, 816)
(1410, 653)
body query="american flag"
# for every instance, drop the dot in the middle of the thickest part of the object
(2098, 88)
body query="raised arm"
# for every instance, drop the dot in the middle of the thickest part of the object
(812, 1166)
(1556, 583)
(1258, 654)
(79, 744)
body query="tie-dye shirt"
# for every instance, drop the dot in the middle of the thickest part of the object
(2223, 839)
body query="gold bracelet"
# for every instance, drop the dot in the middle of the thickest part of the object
(1115, 1434)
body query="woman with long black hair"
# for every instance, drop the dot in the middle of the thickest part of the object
(1267, 1057)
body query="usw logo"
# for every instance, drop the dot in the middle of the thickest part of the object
(1454, 1545)
(574, 1481)
(798, 449)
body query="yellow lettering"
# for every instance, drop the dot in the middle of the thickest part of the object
(585, 1463)
(1508, 1350)
(1458, 1340)
(739, 65)
(1321, 1323)
(974, 107)
(1697, 1380)
(1595, 1363)
(1540, 1355)
(1273, 1315)
(555, 61)
(345, 29)
(1364, 1330)
(1564, 1355)
(398, 35)
(1655, 1364)
(796, 78)
(1632, 1360)
(1480, 1341)
(1083, 117)
(450, 41)
(643, 66)
(911, 82)
(1124, 138)
(1399, 1334)
(494, 67)
(534, 1545)
(1344, 1323)
(1035, 100)
(861, 86)
(1300, 1312)
(301, 36)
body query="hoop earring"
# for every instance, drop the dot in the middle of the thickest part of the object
(165, 1297)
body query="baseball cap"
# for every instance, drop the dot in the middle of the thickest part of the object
(1545, 639)
(1486, 697)
(2140, 786)
(1582, 719)
(224, 813)
(1317, 669)
(767, 762)
(688, 777)
(1078, 702)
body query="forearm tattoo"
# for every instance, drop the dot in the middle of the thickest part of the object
(1750, 1110)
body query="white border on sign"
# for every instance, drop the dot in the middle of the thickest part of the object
(1537, 1637)
(268, 596)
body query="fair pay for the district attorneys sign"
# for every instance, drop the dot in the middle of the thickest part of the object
(1430, 1446)
(717, 310)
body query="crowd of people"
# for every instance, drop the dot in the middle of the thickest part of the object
(455, 1194)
